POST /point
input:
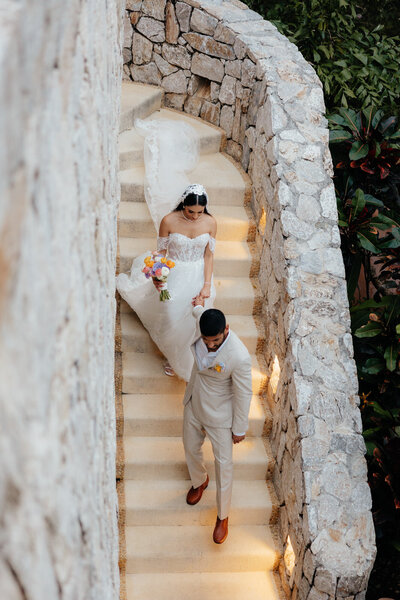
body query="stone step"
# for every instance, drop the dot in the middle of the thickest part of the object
(232, 222)
(164, 503)
(138, 101)
(255, 585)
(136, 338)
(222, 180)
(161, 415)
(163, 458)
(143, 372)
(231, 258)
(131, 142)
(167, 549)
(235, 296)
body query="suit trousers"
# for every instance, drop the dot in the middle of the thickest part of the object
(194, 433)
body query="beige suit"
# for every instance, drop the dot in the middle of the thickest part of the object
(217, 402)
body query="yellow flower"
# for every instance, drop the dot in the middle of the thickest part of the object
(218, 368)
(163, 260)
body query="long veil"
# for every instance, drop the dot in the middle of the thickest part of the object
(171, 150)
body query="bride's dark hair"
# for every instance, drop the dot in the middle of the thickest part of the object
(193, 200)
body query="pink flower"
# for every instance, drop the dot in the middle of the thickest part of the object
(158, 273)
(146, 270)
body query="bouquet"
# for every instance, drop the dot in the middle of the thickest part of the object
(158, 267)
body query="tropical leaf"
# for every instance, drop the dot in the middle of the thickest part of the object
(337, 120)
(366, 243)
(391, 355)
(358, 202)
(371, 329)
(353, 277)
(339, 135)
(374, 365)
(358, 150)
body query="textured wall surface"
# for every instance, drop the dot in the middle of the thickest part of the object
(60, 71)
(221, 61)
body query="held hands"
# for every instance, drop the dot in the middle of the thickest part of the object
(198, 300)
(237, 438)
(205, 293)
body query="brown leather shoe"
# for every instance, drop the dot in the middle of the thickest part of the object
(194, 494)
(220, 530)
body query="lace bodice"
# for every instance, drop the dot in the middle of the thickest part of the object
(181, 247)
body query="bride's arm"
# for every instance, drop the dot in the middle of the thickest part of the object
(209, 262)
(162, 244)
(162, 241)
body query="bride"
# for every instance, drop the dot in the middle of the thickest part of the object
(187, 236)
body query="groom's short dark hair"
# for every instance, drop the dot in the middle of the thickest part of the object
(212, 322)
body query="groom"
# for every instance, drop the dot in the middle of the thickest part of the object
(217, 402)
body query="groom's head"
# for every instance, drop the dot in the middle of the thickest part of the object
(213, 328)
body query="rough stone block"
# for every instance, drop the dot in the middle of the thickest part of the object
(146, 73)
(176, 55)
(171, 25)
(210, 112)
(183, 12)
(142, 49)
(203, 22)
(207, 67)
(154, 8)
(163, 66)
(208, 46)
(176, 83)
(152, 29)
(227, 91)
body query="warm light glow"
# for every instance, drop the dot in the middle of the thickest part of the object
(289, 557)
(276, 373)
(262, 223)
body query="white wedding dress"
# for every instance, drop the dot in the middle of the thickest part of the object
(170, 151)
(171, 323)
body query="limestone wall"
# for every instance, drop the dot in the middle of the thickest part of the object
(221, 61)
(60, 71)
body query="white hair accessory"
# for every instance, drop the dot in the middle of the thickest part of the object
(194, 188)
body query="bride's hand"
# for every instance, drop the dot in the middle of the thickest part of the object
(206, 291)
(157, 284)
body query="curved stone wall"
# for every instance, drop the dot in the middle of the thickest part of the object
(60, 73)
(221, 61)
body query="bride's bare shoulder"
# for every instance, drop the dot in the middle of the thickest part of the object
(213, 225)
(169, 218)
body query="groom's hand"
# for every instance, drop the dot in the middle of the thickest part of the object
(237, 438)
(198, 301)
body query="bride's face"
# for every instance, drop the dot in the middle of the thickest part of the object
(193, 212)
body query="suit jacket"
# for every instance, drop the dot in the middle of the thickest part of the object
(221, 394)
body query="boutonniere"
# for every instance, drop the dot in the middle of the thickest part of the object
(219, 367)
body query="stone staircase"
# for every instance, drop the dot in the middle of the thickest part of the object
(167, 550)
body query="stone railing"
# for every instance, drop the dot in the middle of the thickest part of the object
(221, 61)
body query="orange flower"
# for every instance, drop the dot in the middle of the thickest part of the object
(170, 264)
(163, 260)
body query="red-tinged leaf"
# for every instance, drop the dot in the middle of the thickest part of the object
(341, 165)
(354, 164)
(384, 172)
(366, 168)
